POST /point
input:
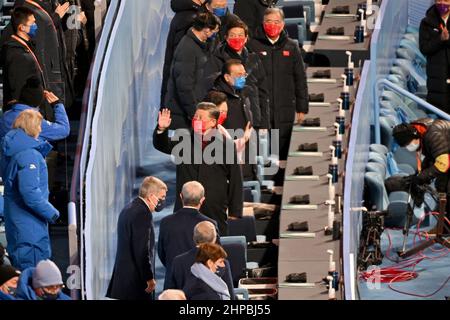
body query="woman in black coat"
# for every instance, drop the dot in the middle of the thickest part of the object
(205, 283)
(185, 12)
(186, 84)
(435, 45)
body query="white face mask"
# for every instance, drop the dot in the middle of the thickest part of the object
(413, 147)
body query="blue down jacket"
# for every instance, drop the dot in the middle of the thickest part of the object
(27, 209)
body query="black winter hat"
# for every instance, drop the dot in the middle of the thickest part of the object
(404, 134)
(32, 93)
(7, 273)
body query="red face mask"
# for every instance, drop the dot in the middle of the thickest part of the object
(222, 118)
(199, 126)
(272, 30)
(237, 44)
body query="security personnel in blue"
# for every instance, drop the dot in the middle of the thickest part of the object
(286, 75)
(430, 138)
(27, 209)
(31, 97)
(133, 277)
(43, 283)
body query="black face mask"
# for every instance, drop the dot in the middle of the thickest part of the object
(220, 272)
(50, 296)
(160, 205)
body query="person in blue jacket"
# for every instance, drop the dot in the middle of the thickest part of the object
(27, 209)
(9, 278)
(33, 95)
(41, 283)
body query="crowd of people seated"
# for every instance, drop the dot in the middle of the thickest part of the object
(42, 66)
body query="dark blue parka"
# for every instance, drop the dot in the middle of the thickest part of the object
(25, 289)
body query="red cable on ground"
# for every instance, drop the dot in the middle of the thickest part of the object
(397, 273)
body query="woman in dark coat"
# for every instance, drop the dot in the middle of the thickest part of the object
(205, 283)
(186, 84)
(185, 12)
(435, 45)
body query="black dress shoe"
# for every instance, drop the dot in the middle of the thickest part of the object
(336, 31)
(341, 10)
(303, 171)
(312, 122)
(322, 74)
(319, 97)
(296, 278)
(262, 214)
(300, 199)
(309, 147)
(299, 226)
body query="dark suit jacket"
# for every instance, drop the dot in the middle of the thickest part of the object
(180, 272)
(176, 233)
(134, 264)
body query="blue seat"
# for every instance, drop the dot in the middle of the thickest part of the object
(243, 227)
(237, 257)
(378, 148)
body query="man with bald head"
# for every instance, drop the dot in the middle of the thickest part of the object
(180, 270)
(176, 231)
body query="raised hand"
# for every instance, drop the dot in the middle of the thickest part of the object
(164, 119)
(50, 96)
(61, 10)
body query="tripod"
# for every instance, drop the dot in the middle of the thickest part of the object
(439, 238)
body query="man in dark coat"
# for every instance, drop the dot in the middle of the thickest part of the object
(180, 271)
(434, 43)
(430, 138)
(206, 156)
(186, 84)
(286, 75)
(47, 49)
(185, 12)
(176, 230)
(18, 58)
(134, 268)
(256, 82)
(252, 12)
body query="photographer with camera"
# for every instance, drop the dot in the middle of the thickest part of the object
(430, 138)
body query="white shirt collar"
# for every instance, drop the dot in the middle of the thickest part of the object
(273, 41)
(146, 204)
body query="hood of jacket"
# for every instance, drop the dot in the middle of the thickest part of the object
(17, 141)
(24, 289)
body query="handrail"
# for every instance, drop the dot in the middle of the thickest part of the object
(386, 83)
